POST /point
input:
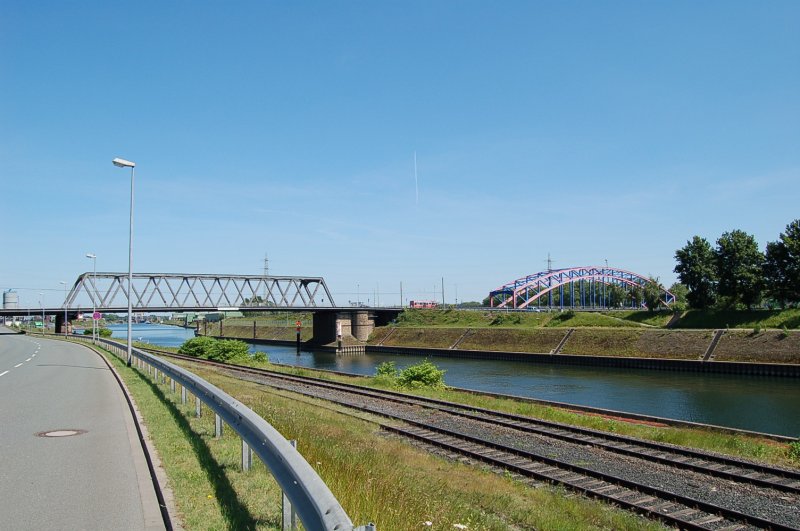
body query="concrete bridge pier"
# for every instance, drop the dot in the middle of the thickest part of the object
(356, 324)
(60, 322)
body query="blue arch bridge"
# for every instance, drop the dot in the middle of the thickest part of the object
(586, 287)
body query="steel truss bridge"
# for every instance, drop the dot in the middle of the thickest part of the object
(170, 292)
(585, 287)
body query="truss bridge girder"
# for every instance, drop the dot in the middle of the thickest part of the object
(176, 292)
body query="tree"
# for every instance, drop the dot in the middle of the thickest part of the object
(680, 292)
(636, 296)
(782, 266)
(697, 271)
(616, 295)
(652, 294)
(739, 266)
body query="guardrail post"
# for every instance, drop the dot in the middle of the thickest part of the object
(156, 376)
(183, 395)
(288, 516)
(247, 456)
(197, 406)
(172, 385)
(217, 426)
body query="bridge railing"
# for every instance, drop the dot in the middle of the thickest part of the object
(309, 496)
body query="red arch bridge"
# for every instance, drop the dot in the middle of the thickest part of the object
(576, 287)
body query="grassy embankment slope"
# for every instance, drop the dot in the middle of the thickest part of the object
(754, 336)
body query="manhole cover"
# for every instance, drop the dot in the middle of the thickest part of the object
(60, 433)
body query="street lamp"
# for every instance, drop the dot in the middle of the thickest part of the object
(65, 305)
(41, 303)
(122, 163)
(94, 304)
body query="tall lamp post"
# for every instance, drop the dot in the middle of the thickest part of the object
(122, 163)
(41, 303)
(65, 305)
(94, 303)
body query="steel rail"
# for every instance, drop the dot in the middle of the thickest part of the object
(315, 504)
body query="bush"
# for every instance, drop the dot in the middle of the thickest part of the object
(197, 347)
(260, 357)
(424, 374)
(387, 369)
(226, 350)
(101, 332)
(794, 450)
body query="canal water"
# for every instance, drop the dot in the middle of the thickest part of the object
(765, 404)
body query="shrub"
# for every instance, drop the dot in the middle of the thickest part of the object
(794, 450)
(198, 347)
(226, 350)
(424, 374)
(101, 332)
(387, 368)
(260, 357)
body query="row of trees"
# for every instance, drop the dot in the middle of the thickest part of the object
(736, 273)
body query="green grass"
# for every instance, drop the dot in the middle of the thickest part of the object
(571, 319)
(741, 319)
(377, 478)
(657, 319)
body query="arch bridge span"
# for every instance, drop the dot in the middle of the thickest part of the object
(576, 287)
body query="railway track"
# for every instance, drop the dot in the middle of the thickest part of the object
(733, 493)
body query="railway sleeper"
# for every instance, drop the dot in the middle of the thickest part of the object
(609, 488)
(661, 507)
(685, 513)
(709, 519)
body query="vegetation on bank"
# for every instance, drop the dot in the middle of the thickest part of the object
(423, 374)
(736, 274)
(101, 332)
(225, 350)
(692, 319)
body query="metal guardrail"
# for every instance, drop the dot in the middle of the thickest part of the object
(310, 497)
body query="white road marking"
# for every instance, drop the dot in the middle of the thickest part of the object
(29, 359)
(2, 373)
(17, 365)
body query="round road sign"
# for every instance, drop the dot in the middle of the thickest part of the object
(97, 316)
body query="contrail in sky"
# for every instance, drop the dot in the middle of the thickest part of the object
(416, 182)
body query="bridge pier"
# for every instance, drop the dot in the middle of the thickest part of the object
(60, 324)
(355, 324)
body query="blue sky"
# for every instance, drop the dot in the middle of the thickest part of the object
(587, 130)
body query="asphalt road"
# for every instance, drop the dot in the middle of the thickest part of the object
(96, 479)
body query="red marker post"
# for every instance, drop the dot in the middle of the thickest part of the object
(298, 324)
